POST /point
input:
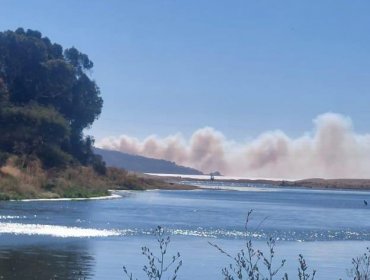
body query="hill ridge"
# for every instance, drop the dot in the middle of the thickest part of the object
(143, 164)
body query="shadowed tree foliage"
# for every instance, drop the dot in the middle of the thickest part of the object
(47, 99)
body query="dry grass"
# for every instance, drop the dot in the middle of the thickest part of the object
(11, 171)
(19, 180)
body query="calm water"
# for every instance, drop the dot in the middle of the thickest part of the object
(93, 239)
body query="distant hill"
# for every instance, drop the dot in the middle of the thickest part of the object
(143, 164)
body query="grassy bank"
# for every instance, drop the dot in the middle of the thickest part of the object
(32, 181)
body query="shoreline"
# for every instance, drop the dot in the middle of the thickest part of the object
(107, 197)
(174, 182)
(113, 194)
(310, 183)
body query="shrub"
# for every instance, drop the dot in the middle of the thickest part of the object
(361, 267)
(157, 267)
(99, 165)
(3, 158)
(253, 264)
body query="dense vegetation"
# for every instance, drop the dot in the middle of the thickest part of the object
(47, 99)
(80, 181)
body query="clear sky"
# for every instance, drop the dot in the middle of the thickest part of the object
(242, 67)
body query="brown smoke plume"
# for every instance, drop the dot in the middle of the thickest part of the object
(332, 150)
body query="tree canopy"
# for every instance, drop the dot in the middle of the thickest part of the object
(47, 99)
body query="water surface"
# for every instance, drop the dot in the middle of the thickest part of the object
(93, 239)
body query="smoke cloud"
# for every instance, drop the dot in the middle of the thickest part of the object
(331, 150)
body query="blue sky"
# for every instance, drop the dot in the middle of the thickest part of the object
(242, 67)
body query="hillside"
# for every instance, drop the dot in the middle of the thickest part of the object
(143, 164)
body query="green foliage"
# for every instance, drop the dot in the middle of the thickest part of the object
(99, 165)
(3, 158)
(47, 99)
(78, 192)
(34, 130)
(54, 156)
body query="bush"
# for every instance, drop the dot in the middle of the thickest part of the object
(98, 164)
(3, 158)
(361, 267)
(246, 264)
(253, 264)
(157, 267)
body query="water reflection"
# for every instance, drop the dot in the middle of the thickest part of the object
(46, 262)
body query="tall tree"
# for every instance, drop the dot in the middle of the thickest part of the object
(47, 99)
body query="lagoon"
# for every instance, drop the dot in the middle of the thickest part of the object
(94, 239)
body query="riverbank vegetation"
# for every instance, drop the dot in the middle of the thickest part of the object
(33, 181)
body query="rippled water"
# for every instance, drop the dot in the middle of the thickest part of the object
(93, 239)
